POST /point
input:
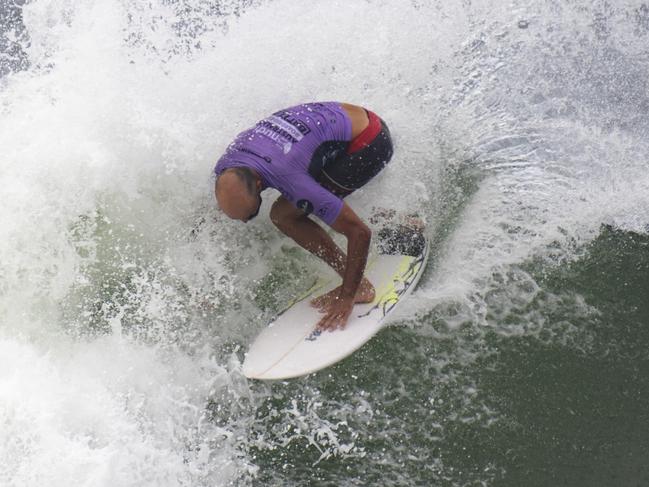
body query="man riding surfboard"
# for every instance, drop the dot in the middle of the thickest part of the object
(314, 154)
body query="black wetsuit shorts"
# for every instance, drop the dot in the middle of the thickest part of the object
(343, 167)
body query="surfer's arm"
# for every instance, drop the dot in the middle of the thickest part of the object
(306, 197)
(338, 308)
(358, 237)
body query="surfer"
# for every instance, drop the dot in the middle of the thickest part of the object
(315, 155)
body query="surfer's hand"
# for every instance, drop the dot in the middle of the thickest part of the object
(336, 314)
(365, 294)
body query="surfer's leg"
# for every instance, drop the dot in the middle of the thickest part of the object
(294, 223)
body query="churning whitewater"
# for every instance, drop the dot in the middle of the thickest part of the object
(127, 300)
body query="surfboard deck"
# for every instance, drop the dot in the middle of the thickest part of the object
(291, 346)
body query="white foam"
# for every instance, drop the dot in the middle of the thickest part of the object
(110, 412)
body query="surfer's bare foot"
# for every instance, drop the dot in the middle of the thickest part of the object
(365, 294)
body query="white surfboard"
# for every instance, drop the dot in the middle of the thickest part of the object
(292, 347)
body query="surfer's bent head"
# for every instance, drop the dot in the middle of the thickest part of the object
(238, 193)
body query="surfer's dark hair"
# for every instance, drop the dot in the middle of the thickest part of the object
(247, 177)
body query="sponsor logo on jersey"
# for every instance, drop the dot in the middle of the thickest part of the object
(324, 209)
(295, 122)
(271, 130)
(305, 205)
(282, 128)
(290, 129)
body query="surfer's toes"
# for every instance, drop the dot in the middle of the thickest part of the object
(366, 293)
(366, 297)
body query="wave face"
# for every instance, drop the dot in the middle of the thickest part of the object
(127, 301)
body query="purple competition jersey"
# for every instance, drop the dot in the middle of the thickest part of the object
(280, 148)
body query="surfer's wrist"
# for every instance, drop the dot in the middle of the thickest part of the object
(346, 295)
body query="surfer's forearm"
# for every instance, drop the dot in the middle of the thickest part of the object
(358, 237)
(307, 234)
(312, 237)
(358, 244)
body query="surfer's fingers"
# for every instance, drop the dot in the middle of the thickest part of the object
(323, 324)
(343, 318)
(332, 322)
(329, 322)
(336, 321)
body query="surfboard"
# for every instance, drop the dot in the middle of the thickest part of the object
(291, 346)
